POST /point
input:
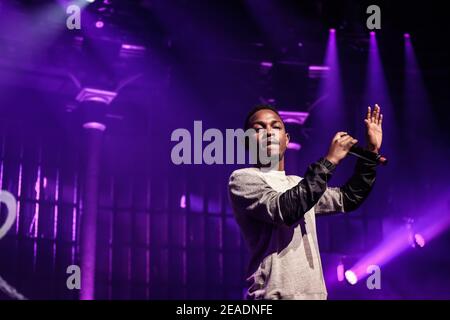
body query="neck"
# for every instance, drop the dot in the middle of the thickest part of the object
(280, 166)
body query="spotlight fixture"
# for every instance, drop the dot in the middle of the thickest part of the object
(340, 271)
(94, 125)
(351, 277)
(416, 240)
(266, 64)
(99, 24)
(183, 201)
(419, 240)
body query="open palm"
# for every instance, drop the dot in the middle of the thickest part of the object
(373, 123)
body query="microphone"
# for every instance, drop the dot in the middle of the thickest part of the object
(367, 155)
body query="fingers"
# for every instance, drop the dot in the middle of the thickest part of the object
(347, 141)
(375, 116)
(354, 141)
(340, 146)
(338, 135)
(348, 144)
(344, 139)
(379, 116)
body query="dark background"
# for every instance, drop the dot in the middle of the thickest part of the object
(203, 62)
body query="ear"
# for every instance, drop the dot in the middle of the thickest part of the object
(288, 138)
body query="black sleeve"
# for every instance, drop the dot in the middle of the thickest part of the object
(358, 187)
(295, 202)
(251, 196)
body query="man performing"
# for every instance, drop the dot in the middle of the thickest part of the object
(276, 212)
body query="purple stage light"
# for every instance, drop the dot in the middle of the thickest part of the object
(297, 117)
(351, 277)
(332, 30)
(407, 36)
(329, 96)
(131, 51)
(95, 126)
(318, 68)
(419, 240)
(195, 203)
(266, 64)
(91, 94)
(397, 242)
(126, 46)
(183, 201)
(403, 237)
(376, 91)
(99, 24)
(340, 272)
(294, 146)
(316, 72)
(416, 97)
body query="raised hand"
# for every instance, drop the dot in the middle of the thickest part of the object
(374, 132)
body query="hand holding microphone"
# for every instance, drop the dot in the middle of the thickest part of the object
(343, 143)
(340, 147)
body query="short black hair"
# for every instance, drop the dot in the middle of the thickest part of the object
(256, 109)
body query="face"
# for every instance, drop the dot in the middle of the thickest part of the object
(270, 132)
